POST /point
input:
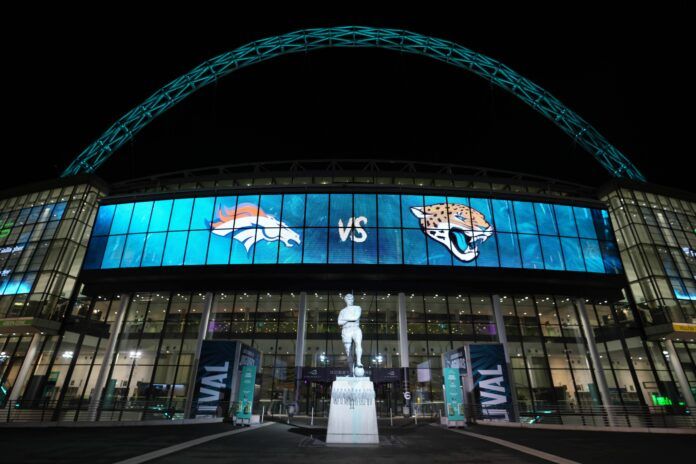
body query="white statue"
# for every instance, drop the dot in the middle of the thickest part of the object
(349, 320)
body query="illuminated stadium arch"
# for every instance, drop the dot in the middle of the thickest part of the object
(356, 37)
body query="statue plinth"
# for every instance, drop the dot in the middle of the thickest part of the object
(353, 413)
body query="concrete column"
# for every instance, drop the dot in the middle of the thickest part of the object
(502, 339)
(596, 362)
(115, 331)
(25, 370)
(202, 333)
(300, 343)
(403, 333)
(404, 360)
(679, 374)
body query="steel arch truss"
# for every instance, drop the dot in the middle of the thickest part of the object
(356, 37)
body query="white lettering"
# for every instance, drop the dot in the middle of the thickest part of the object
(353, 229)
(494, 383)
(213, 395)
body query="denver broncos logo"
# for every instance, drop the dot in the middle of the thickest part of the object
(250, 224)
(460, 228)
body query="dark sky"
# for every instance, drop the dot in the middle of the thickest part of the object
(624, 74)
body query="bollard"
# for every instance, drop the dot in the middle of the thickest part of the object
(263, 412)
(391, 418)
(415, 415)
(312, 419)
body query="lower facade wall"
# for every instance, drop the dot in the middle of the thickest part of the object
(150, 372)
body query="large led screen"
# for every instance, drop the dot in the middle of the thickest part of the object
(323, 228)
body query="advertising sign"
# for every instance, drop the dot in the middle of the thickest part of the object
(491, 380)
(247, 382)
(454, 394)
(214, 377)
(456, 359)
(346, 228)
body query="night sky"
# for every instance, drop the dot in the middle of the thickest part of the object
(70, 80)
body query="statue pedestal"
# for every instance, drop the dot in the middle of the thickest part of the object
(353, 413)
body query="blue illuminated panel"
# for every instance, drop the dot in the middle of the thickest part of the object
(344, 228)
(21, 232)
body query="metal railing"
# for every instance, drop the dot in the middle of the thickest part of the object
(116, 410)
(110, 410)
(592, 415)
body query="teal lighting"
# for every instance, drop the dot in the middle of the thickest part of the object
(541, 101)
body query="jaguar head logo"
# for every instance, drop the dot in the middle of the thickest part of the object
(458, 227)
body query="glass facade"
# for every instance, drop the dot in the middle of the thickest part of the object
(656, 235)
(46, 237)
(150, 372)
(43, 239)
(323, 228)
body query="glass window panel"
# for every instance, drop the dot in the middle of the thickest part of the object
(593, 257)
(133, 251)
(219, 249)
(113, 252)
(364, 205)
(202, 212)
(196, 247)
(610, 257)
(121, 219)
(45, 213)
(583, 218)
(159, 221)
(341, 209)
(524, 214)
(95, 253)
(503, 214)
(602, 224)
(531, 252)
(572, 254)
(340, 244)
(553, 257)
(266, 250)
(294, 210)
(566, 221)
(292, 252)
(409, 215)
(488, 253)
(240, 254)
(34, 214)
(174, 248)
(317, 210)
(154, 246)
(315, 244)
(181, 214)
(389, 211)
(415, 251)
(509, 250)
(438, 254)
(365, 252)
(390, 250)
(545, 219)
(272, 205)
(141, 217)
(58, 211)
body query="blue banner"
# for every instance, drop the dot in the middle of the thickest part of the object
(491, 380)
(214, 377)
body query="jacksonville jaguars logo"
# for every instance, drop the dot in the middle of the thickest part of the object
(459, 228)
(250, 224)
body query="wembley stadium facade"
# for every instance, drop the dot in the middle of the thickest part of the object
(111, 292)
